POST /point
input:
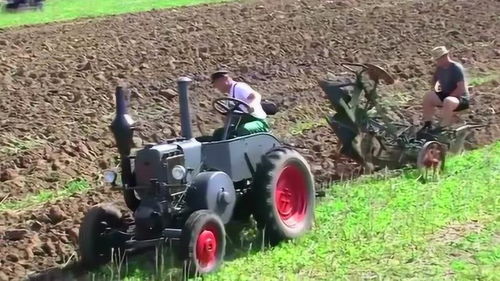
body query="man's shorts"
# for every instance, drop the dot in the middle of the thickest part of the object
(463, 102)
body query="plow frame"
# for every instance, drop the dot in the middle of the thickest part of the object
(367, 134)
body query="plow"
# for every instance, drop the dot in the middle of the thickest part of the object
(370, 137)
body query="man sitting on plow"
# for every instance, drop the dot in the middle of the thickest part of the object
(450, 90)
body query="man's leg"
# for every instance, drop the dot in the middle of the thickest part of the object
(449, 106)
(431, 101)
(257, 126)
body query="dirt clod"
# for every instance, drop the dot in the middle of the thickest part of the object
(56, 215)
(73, 235)
(8, 174)
(16, 234)
(36, 226)
(168, 93)
(12, 257)
(49, 248)
(3, 277)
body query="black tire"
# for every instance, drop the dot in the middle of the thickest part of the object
(284, 175)
(202, 228)
(94, 249)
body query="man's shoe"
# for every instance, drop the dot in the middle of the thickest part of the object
(436, 131)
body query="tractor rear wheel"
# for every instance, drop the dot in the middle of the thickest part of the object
(284, 195)
(95, 249)
(203, 242)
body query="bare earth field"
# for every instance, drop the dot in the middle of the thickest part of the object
(57, 83)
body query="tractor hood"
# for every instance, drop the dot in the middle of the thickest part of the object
(155, 162)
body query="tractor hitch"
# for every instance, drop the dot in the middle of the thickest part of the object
(132, 244)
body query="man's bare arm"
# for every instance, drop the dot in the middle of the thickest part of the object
(459, 90)
(252, 98)
(434, 79)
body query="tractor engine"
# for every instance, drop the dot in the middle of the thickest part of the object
(159, 174)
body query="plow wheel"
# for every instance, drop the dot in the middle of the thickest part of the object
(431, 157)
(376, 73)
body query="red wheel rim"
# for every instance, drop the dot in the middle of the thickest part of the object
(206, 248)
(291, 196)
(431, 156)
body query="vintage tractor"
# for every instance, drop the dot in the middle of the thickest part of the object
(18, 5)
(369, 136)
(185, 190)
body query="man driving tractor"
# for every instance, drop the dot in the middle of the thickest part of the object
(254, 121)
(450, 89)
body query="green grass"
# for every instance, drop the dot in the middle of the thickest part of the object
(44, 196)
(479, 79)
(477, 256)
(63, 10)
(303, 125)
(382, 228)
(390, 228)
(13, 146)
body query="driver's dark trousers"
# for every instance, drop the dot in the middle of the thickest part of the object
(247, 125)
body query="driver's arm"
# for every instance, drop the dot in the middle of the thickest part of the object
(252, 99)
(249, 95)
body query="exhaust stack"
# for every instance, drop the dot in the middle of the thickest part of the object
(183, 85)
(122, 126)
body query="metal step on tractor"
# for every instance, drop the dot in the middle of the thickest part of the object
(186, 190)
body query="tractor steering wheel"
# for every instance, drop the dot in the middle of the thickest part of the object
(347, 65)
(221, 106)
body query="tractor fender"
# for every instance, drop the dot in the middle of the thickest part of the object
(212, 191)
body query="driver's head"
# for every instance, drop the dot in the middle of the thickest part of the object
(221, 81)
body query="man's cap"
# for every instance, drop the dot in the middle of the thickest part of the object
(218, 74)
(439, 52)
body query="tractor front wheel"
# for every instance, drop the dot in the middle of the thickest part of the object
(95, 249)
(284, 195)
(203, 242)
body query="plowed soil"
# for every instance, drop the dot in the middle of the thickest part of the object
(57, 84)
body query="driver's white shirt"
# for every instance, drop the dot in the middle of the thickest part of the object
(242, 91)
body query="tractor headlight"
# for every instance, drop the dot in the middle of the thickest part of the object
(178, 172)
(109, 176)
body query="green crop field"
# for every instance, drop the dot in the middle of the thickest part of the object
(387, 228)
(62, 10)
